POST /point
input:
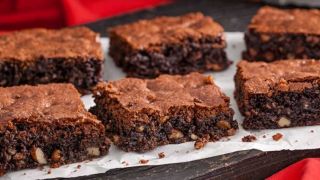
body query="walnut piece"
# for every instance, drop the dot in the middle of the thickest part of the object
(194, 137)
(175, 134)
(93, 151)
(223, 124)
(161, 155)
(143, 161)
(277, 137)
(284, 122)
(38, 155)
(56, 155)
(201, 142)
(140, 128)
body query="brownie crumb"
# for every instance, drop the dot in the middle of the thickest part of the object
(277, 137)
(143, 161)
(79, 166)
(161, 155)
(55, 165)
(201, 142)
(264, 136)
(249, 138)
(312, 131)
(49, 172)
(24, 174)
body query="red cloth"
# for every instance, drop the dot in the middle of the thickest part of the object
(18, 14)
(307, 169)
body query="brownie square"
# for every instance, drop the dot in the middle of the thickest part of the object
(47, 124)
(41, 56)
(276, 34)
(169, 45)
(279, 94)
(140, 115)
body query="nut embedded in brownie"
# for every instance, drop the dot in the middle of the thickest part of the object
(41, 56)
(279, 94)
(141, 114)
(169, 45)
(47, 124)
(276, 34)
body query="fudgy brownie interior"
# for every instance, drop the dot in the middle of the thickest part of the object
(140, 115)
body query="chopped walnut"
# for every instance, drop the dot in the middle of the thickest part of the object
(161, 155)
(38, 155)
(56, 155)
(249, 138)
(176, 134)
(223, 124)
(284, 122)
(277, 137)
(201, 142)
(143, 161)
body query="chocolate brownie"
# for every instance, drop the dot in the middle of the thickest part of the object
(276, 34)
(47, 124)
(279, 94)
(40, 56)
(169, 45)
(140, 114)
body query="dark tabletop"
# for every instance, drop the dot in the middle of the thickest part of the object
(234, 15)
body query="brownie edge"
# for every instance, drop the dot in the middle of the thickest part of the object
(140, 115)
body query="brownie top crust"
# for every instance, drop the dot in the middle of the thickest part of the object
(274, 20)
(51, 102)
(282, 75)
(154, 32)
(28, 45)
(165, 92)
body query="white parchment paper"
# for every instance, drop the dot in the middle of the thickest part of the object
(293, 138)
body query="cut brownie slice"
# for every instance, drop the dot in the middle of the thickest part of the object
(169, 45)
(40, 56)
(280, 94)
(47, 124)
(276, 34)
(143, 114)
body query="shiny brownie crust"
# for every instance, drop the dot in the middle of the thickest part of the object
(140, 115)
(169, 45)
(278, 95)
(47, 125)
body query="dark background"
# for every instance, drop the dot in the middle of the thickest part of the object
(233, 15)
